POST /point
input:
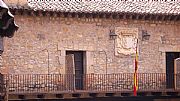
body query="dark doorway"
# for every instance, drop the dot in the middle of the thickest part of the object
(78, 68)
(170, 57)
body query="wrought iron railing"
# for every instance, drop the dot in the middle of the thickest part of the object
(89, 82)
(109, 82)
(2, 89)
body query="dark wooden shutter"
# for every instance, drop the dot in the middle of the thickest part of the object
(69, 76)
(77, 68)
(177, 72)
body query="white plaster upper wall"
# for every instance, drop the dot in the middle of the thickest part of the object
(21, 2)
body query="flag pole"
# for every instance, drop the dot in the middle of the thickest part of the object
(135, 72)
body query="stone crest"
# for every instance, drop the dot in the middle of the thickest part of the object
(126, 40)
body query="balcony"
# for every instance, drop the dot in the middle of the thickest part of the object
(90, 84)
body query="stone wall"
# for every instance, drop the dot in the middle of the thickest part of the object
(41, 44)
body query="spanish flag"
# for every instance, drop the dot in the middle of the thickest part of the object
(135, 72)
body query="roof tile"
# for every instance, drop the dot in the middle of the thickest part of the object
(151, 7)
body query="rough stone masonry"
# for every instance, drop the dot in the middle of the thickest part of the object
(42, 37)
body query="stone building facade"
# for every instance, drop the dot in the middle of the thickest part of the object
(41, 44)
(92, 38)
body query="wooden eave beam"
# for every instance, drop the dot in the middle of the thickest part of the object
(115, 16)
(55, 14)
(148, 17)
(82, 15)
(22, 11)
(86, 15)
(137, 16)
(120, 16)
(52, 13)
(47, 14)
(76, 15)
(69, 15)
(163, 17)
(143, 17)
(64, 14)
(16, 12)
(153, 17)
(37, 13)
(40, 13)
(98, 15)
(124, 16)
(157, 17)
(175, 17)
(178, 18)
(169, 17)
(27, 12)
(12, 11)
(89, 15)
(73, 15)
(103, 15)
(111, 15)
(131, 16)
(61, 14)
(94, 15)
(32, 13)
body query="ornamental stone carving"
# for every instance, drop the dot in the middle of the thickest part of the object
(126, 40)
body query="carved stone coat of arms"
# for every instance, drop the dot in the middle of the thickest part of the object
(126, 41)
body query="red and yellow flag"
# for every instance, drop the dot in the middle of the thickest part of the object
(135, 72)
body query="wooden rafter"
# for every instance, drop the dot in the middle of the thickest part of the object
(97, 15)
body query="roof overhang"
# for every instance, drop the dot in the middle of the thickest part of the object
(21, 10)
(155, 10)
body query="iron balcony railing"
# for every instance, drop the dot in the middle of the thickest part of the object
(2, 89)
(29, 83)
